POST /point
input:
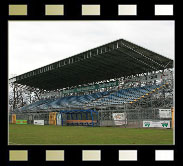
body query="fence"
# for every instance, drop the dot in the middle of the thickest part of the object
(30, 117)
(130, 118)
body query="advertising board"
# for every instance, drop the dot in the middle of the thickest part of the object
(38, 122)
(165, 113)
(159, 124)
(119, 118)
(58, 119)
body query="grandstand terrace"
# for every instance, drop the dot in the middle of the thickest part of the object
(117, 77)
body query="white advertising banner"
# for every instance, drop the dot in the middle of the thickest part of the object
(58, 119)
(38, 122)
(165, 113)
(160, 124)
(119, 118)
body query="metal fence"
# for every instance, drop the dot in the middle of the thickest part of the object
(30, 117)
(132, 118)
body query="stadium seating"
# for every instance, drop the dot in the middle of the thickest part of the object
(125, 95)
(120, 96)
(34, 105)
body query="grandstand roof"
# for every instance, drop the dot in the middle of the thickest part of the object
(116, 59)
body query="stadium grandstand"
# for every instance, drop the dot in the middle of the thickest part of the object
(116, 84)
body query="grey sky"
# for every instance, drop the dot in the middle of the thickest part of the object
(33, 44)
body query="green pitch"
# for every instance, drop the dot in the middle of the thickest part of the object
(49, 134)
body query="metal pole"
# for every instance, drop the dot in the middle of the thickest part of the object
(77, 117)
(61, 118)
(97, 119)
(92, 118)
(86, 116)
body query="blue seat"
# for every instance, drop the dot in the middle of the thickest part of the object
(99, 98)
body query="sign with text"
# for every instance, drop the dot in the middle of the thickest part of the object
(165, 113)
(92, 87)
(38, 122)
(119, 118)
(159, 124)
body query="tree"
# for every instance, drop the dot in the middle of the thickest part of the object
(20, 96)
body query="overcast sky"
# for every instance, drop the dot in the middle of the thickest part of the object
(33, 44)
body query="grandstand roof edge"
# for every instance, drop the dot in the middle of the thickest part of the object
(93, 49)
(129, 47)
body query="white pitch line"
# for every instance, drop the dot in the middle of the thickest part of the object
(14, 143)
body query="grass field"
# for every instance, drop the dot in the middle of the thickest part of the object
(49, 134)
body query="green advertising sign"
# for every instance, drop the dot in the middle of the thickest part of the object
(147, 124)
(21, 121)
(159, 124)
(92, 87)
(164, 124)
